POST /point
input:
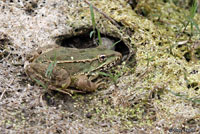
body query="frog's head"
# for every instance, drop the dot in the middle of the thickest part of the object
(108, 59)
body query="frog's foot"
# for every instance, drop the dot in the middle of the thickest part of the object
(100, 84)
(82, 83)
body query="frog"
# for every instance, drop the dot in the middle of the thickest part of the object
(73, 69)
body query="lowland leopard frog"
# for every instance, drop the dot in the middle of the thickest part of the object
(72, 68)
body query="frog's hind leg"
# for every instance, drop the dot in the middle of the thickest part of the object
(59, 79)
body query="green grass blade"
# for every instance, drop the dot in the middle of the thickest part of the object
(91, 33)
(195, 25)
(49, 70)
(40, 83)
(116, 43)
(193, 9)
(51, 67)
(105, 74)
(99, 37)
(195, 100)
(92, 17)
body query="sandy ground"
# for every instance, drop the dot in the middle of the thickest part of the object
(24, 26)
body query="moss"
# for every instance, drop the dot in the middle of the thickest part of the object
(164, 61)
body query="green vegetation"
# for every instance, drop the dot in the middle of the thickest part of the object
(93, 32)
(51, 67)
(40, 83)
(195, 99)
(114, 77)
(190, 19)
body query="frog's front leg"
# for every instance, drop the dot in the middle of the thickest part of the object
(58, 78)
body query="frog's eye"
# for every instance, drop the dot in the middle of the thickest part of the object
(102, 58)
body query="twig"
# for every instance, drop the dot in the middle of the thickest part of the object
(11, 82)
(2, 94)
(106, 16)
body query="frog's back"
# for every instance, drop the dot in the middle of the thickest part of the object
(64, 53)
(75, 60)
